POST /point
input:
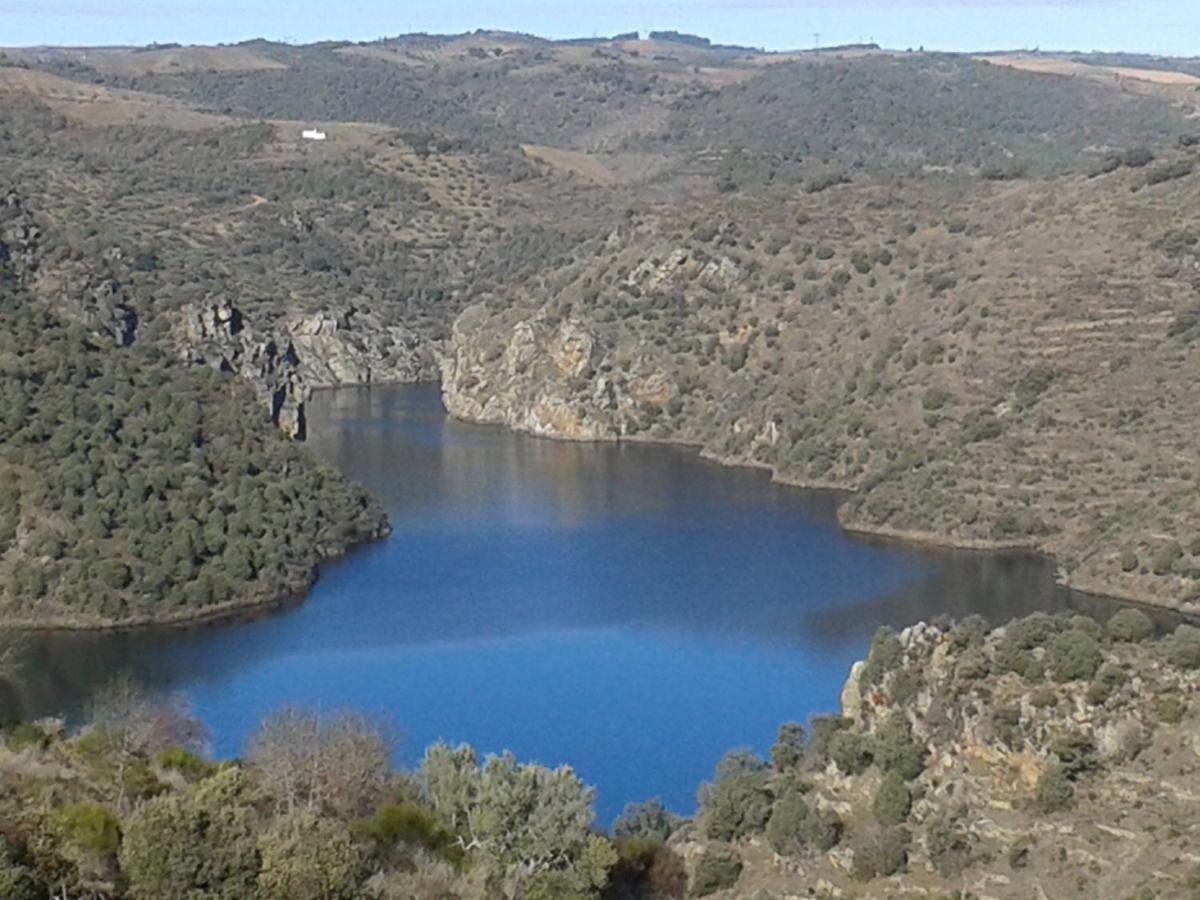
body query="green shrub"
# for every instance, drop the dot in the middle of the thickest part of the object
(1088, 626)
(821, 729)
(648, 820)
(905, 686)
(185, 762)
(968, 632)
(785, 827)
(1076, 753)
(949, 845)
(1165, 557)
(1130, 625)
(719, 868)
(1171, 709)
(26, 734)
(306, 856)
(1054, 790)
(407, 823)
(197, 846)
(1108, 679)
(881, 854)
(736, 805)
(850, 752)
(895, 750)
(787, 753)
(822, 829)
(1183, 647)
(89, 826)
(1129, 561)
(893, 800)
(883, 655)
(1074, 656)
(972, 664)
(17, 883)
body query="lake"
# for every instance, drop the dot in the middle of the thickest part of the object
(631, 610)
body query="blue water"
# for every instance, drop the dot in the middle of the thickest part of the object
(633, 611)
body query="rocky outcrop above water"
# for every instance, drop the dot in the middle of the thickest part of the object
(284, 361)
(1054, 757)
(546, 376)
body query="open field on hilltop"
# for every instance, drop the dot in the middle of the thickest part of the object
(1056, 66)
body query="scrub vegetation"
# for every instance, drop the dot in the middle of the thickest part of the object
(983, 772)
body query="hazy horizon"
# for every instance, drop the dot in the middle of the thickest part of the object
(1164, 27)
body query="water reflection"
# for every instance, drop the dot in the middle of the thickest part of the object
(630, 609)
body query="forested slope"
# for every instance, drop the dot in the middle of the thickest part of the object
(136, 488)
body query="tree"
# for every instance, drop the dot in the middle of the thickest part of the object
(337, 765)
(303, 855)
(196, 846)
(129, 723)
(787, 753)
(644, 820)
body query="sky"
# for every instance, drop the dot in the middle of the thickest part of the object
(1170, 27)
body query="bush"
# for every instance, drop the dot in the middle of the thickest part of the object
(407, 823)
(895, 750)
(306, 856)
(192, 847)
(969, 632)
(1183, 647)
(1076, 753)
(1164, 559)
(787, 753)
(1074, 656)
(17, 883)
(1054, 790)
(785, 827)
(89, 826)
(736, 806)
(972, 664)
(719, 868)
(883, 655)
(850, 752)
(1130, 625)
(948, 845)
(648, 820)
(647, 868)
(1170, 710)
(1108, 679)
(26, 734)
(185, 762)
(881, 854)
(822, 829)
(893, 800)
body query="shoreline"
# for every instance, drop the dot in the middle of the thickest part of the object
(929, 539)
(218, 614)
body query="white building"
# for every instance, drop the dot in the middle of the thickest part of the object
(312, 134)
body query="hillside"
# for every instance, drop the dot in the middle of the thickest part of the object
(963, 288)
(1053, 757)
(133, 488)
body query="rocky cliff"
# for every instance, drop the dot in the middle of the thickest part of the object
(1050, 758)
(965, 394)
(285, 360)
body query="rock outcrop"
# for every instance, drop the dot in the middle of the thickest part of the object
(286, 360)
(215, 333)
(548, 377)
(1050, 758)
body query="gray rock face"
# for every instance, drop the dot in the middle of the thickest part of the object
(215, 333)
(548, 377)
(286, 360)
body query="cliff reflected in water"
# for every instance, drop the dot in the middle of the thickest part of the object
(630, 609)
